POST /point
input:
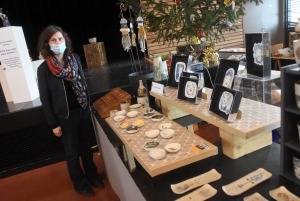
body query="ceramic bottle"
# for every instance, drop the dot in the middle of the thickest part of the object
(142, 95)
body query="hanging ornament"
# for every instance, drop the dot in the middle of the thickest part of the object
(228, 2)
(125, 35)
(205, 62)
(133, 36)
(226, 22)
(141, 34)
(201, 33)
(195, 40)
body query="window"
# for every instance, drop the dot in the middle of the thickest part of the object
(292, 14)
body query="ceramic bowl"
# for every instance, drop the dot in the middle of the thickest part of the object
(167, 133)
(138, 123)
(158, 117)
(151, 145)
(122, 112)
(150, 110)
(152, 133)
(132, 114)
(173, 147)
(157, 153)
(93, 40)
(134, 107)
(164, 126)
(132, 129)
(125, 123)
(148, 115)
(119, 118)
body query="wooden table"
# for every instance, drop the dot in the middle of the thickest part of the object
(135, 143)
(239, 136)
(278, 62)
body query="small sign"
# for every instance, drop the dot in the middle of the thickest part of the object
(158, 88)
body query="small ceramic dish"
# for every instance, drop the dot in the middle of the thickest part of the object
(150, 110)
(173, 147)
(134, 107)
(158, 117)
(167, 133)
(164, 126)
(151, 145)
(132, 114)
(125, 123)
(157, 153)
(132, 129)
(122, 112)
(138, 123)
(119, 118)
(148, 115)
(152, 133)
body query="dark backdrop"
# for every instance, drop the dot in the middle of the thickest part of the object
(81, 19)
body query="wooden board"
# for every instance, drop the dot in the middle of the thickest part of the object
(95, 54)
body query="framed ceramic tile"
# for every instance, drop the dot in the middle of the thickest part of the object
(225, 101)
(199, 76)
(179, 64)
(226, 71)
(188, 89)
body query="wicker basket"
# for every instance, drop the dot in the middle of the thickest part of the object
(111, 101)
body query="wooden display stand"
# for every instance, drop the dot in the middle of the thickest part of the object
(240, 136)
(16, 73)
(95, 54)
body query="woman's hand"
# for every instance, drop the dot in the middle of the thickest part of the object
(57, 131)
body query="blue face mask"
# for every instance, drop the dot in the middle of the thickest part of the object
(58, 49)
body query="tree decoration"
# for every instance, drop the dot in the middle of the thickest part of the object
(171, 21)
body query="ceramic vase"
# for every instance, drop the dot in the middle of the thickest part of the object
(296, 47)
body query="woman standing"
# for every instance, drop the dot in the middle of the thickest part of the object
(65, 100)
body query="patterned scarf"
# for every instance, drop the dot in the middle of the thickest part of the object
(70, 73)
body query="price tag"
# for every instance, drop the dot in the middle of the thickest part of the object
(158, 88)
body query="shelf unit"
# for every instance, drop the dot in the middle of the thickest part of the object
(290, 115)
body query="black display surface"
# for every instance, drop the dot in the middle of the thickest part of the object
(158, 188)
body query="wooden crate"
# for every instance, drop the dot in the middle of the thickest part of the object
(95, 54)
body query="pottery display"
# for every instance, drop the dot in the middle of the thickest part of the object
(203, 193)
(132, 129)
(173, 147)
(93, 40)
(157, 117)
(296, 47)
(132, 114)
(125, 123)
(151, 145)
(119, 118)
(282, 193)
(157, 153)
(164, 126)
(297, 93)
(152, 133)
(167, 133)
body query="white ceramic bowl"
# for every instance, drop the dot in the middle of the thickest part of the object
(158, 117)
(134, 107)
(151, 145)
(122, 112)
(157, 153)
(119, 118)
(125, 123)
(173, 147)
(138, 123)
(148, 115)
(152, 133)
(93, 40)
(164, 126)
(149, 110)
(132, 129)
(167, 133)
(132, 114)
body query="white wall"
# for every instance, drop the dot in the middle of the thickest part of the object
(269, 15)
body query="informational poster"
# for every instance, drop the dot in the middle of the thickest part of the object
(9, 55)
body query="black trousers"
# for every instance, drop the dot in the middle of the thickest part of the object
(77, 133)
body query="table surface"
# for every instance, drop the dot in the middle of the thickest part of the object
(284, 57)
(135, 143)
(256, 118)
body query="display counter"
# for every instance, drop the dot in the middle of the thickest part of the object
(139, 185)
(239, 136)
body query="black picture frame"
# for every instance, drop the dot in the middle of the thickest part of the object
(223, 68)
(200, 77)
(184, 83)
(177, 63)
(228, 108)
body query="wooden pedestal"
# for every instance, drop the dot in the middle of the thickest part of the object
(95, 54)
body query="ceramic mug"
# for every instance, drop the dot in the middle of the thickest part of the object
(296, 161)
(112, 113)
(124, 106)
(297, 93)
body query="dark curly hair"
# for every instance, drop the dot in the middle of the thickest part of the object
(47, 33)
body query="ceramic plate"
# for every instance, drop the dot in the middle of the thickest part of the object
(125, 123)
(148, 115)
(138, 123)
(151, 145)
(167, 133)
(164, 126)
(157, 117)
(135, 106)
(152, 133)
(122, 112)
(173, 147)
(132, 129)
(119, 118)
(157, 153)
(132, 114)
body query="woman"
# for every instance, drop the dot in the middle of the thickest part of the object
(65, 100)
